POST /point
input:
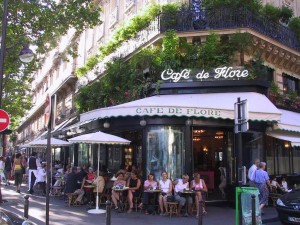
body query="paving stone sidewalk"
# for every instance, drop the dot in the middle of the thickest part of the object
(61, 214)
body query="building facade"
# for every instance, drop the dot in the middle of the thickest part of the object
(185, 126)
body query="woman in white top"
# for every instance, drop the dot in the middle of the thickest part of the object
(199, 186)
(165, 185)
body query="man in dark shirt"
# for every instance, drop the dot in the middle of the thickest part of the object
(7, 170)
(72, 185)
(82, 174)
(33, 164)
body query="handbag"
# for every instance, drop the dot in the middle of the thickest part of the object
(171, 198)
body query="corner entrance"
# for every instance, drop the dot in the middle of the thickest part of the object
(210, 150)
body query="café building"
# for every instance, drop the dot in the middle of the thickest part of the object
(187, 125)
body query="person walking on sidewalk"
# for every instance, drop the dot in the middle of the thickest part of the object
(2, 166)
(17, 168)
(7, 170)
(33, 164)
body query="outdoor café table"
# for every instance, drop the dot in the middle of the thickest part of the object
(186, 194)
(121, 204)
(155, 193)
(89, 193)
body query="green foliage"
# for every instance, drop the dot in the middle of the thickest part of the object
(256, 68)
(254, 5)
(272, 12)
(294, 25)
(41, 24)
(286, 14)
(125, 81)
(129, 31)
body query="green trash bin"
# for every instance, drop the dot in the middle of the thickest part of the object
(244, 206)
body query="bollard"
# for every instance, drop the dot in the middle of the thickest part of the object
(253, 209)
(26, 206)
(200, 212)
(108, 212)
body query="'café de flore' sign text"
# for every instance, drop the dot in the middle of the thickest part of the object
(221, 73)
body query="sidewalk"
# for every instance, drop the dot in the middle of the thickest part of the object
(60, 213)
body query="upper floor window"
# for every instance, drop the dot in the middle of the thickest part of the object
(290, 84)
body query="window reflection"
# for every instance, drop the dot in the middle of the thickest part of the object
(165, 150)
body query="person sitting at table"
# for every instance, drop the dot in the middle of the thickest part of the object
(199, 186)
(89, 178)
(134, 184)
(149, 185)
(284, 185)
(41, 178)
(180, 186)
(120, 183)
(72, 187)
(99, 183)
(166, 187)
(82, 173)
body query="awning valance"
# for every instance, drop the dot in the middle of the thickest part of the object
(210, 105)
(286, 136)
(290, 121)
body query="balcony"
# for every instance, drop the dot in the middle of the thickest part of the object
(220, 19)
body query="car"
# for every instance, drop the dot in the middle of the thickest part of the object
(288, 207)
(10, 218)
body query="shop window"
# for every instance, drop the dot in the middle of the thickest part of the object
(296, 159)
(290, 84)
(270, 155)
(253, 144)
(114, 157)
(283, 158)
(165, 151)
(83, 151)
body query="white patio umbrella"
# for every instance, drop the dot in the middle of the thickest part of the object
(43, 143)
(99, 138)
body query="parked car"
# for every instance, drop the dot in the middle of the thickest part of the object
(10, 218)
(288, 207)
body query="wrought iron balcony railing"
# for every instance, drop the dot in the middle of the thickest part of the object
(225, 18)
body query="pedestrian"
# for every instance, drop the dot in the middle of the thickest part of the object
(7, 170)
(17, 169)
(262, 182)
(2, 166)
(251, 172)
(33, 164)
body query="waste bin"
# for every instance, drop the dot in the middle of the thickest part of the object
(244, 206)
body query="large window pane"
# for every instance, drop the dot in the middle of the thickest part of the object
(270, 152)
(253, 144)
(165, 150)
(283, 160)
(296, 159)
(83, 154)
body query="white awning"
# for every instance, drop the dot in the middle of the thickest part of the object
(286, 136)
(210, 105)
(290, 121)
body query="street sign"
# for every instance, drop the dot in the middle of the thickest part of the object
(241, 116)
(4, 120)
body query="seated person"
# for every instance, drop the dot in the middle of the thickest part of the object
(148, 185)
(119, 182)
(166, 187)
(285, 185)
(41, 177)
(134, 184)
(99, 183)
(199, 186)
(180, 186)
(89, 178)
(275, 184)
(72, 187)
(82, 173)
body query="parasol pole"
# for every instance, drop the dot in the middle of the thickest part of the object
(97, 210)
